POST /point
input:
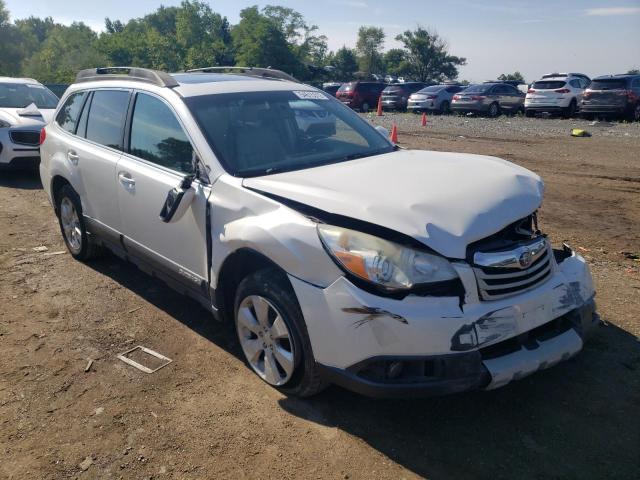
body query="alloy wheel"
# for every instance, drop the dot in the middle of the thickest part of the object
(71, 225)
(265, 340)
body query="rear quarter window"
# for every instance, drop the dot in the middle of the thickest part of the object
(68, 115)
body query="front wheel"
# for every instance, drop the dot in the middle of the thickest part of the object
(529, 113)
(635, 116)
(494, 110)
(364, 108)
(570, 111)
(273, 335)
(444, 108)
(72, 226)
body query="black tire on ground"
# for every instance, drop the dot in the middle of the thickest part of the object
(87, 248)
(494, 110)
(635, 113)
(529, 113)
(444, 108)
(570, 111)
(588, 116)
(274, 286)
(364, 108)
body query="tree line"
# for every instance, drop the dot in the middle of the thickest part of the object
(192, 35)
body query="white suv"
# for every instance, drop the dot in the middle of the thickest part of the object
(556, 93)
(25, 106)
(339, 257)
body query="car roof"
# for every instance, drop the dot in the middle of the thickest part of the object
(30, 81)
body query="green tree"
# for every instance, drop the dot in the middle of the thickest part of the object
(258, 42)
(66, 50)
(11, 49)
(369, 48)
(428, 57)
(633, 71)
(395, 62)
(512, 76)
(345, 63)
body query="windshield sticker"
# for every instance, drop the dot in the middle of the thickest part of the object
(310, 95)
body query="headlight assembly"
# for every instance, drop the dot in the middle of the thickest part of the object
(384, 263)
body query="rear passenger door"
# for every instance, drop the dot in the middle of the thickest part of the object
(158, 156)
(92, 155)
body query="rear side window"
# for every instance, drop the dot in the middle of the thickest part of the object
(157, 136)
(105, 124)
(548, 84)
(609, 84)
(68, 115)
(575, 83)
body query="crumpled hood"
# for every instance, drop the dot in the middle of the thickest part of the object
(444, 200)
(37, 117)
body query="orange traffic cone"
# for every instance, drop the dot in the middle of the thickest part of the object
(424, 119)
(379, 112)
(394, 133)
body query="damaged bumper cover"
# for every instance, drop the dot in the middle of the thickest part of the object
(422, 346)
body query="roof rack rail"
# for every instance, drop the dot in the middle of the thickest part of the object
(136, 74)
(268, 73)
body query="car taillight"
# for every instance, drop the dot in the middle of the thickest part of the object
(562, 90)
(456, 97)
(478, 97)
(531, 90)
(43, 135)
(587, 93)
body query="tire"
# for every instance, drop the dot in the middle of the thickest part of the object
(444, 108)
(294, 371)
(529, 113)
(69, 209)
(570, 111)
(364, 108)
(635, 113)
(588, 116)
(494, 110)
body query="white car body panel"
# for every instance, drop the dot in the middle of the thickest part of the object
(444, 200)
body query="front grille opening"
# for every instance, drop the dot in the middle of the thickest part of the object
(528, 339)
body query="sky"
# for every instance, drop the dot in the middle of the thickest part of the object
(534, 37)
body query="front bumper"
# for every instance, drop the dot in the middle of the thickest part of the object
(17, 155)
(386, 347)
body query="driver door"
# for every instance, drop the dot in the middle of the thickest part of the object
(158, 155)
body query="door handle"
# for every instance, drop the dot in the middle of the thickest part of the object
(73, 157)
(126, 180)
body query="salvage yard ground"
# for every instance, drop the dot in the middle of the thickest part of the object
(207, 416)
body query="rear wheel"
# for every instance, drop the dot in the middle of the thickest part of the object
(494, 110)
(365, 107)
(588, 116)
(570, 111)
(636, 113)
(72, 225)
(273, 335)
(445, 108)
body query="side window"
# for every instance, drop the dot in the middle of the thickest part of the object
(635, 85)
(157, 136)
(105, 124)
(575, 83)
(68, 114)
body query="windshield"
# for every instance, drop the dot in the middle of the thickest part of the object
(548, 84)
(20, 95)
(260, 133)
(608, 84)
(432, 89)
(477, 89)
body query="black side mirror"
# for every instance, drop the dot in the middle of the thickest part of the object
(178, 200)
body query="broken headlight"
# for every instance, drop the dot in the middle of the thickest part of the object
(382, 262)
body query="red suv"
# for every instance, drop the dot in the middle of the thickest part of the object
(361, 96)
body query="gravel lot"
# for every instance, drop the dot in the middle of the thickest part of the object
(208, 416)
(510, 126)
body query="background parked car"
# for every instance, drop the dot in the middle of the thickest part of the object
(489, 98)
(612, 94)
(433, 98)
(25, 107)
(395, 97)
(360, 95)
(331, 87)
(561, 94)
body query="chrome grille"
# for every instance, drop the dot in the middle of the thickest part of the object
(504, 273)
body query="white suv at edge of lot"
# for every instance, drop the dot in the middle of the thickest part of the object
(25, 106)
(339, 257)
(556, 93)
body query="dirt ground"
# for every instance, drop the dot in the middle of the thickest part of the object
(207, 416)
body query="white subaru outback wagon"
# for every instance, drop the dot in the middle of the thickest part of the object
(339, 257)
